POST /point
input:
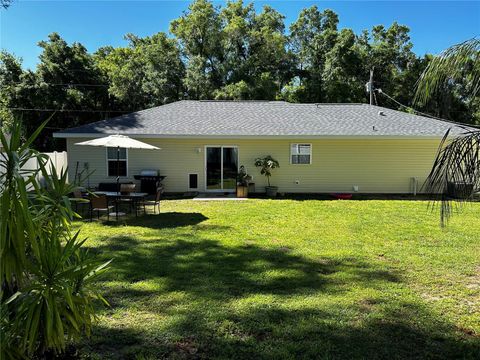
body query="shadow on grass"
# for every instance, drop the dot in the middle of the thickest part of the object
(161, 221)
(404, 331)
(210, 276)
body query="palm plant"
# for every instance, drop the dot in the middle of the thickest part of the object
(7, 336)
(455, 175)
(458, 159)
(57, 303)
(48, 292)
(17, 223)
(457, 63)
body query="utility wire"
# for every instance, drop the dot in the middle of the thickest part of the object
(72, 110)
(65, 84)
(380, 91)
(83, 85)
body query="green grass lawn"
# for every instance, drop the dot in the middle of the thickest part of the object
(285, 279)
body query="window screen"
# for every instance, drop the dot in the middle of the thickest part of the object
(301, 153)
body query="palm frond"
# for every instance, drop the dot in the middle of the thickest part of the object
(455, 175)
(455, 63)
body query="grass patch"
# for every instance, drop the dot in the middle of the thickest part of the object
(289, 279)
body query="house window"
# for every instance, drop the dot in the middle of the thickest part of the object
(301, 153)
(112, 162)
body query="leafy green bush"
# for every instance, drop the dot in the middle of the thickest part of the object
(243, 179)
(48, 290)
(266, 165)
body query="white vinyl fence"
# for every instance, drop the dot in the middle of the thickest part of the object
(58, 159)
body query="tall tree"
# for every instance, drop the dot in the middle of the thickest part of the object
(343, 67)
(257, 62)
(269, 62)
(312, 36)
(66, 80)
(389, 51)
(199, 32)
(237, 23)
(147, 73)
(10, 78)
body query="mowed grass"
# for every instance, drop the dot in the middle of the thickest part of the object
(286, 279)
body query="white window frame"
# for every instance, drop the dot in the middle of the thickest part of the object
(301, 143)
(126, 160)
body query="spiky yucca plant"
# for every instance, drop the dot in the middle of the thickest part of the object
(48, 289)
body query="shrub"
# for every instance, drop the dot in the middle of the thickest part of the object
(48, 291)
(266, 165)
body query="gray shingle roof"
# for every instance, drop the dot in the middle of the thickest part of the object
(265, 118)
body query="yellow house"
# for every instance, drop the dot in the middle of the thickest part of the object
(321, 148)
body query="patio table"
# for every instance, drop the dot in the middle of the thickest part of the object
(135, 196)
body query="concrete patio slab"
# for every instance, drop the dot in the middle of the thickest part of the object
(217, 197)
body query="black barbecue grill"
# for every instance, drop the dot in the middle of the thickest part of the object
(149, 181)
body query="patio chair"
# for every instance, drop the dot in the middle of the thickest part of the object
(126, 189)
(155, 202)
(100, 204)
(77, 194)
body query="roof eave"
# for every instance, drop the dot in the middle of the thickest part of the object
(249, 137)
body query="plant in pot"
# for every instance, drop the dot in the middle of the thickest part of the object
(243, 179)
(266, 165)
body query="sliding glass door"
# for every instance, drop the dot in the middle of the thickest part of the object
(214, 168)
(229, 168)
(221, 168)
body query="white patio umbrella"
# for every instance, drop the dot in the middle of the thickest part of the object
(118, 141)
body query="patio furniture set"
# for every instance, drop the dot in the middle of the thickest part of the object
(111, 202)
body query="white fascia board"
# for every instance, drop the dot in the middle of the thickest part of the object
(251, 137)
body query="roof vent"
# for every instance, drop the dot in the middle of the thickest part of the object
(381, 113)
(374, 128)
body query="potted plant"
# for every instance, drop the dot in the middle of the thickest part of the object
(267, 164)
(243, 179)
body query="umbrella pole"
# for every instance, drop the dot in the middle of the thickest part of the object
(118, 181)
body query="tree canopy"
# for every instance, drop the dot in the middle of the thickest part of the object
(231, 52)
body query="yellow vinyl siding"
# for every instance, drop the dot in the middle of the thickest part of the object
(375, 166)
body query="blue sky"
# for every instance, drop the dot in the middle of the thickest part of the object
(434, 25)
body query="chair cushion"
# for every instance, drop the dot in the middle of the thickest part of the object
(103, 209)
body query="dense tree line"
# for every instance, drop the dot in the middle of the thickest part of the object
(230, 52)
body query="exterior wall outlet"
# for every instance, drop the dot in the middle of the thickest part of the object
(355, 188)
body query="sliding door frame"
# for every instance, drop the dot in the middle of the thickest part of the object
(222, 190)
